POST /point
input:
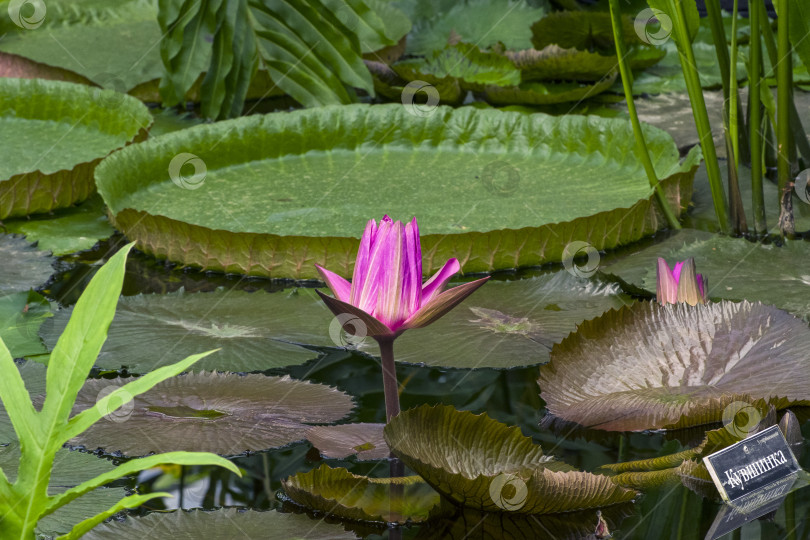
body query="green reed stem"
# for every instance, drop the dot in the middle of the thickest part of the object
(784, 83)
(641, 145)
(755, 117)
(704, 128)
(790, 517)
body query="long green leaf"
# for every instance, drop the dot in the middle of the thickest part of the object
(133, 501)
(16, 400)
(135, 466)
(79, 423)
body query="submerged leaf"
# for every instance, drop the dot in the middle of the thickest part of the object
(337, 442)
(226, 414)
(345, 495)
(479, 463)
(649, 366)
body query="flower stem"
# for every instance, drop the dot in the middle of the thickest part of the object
(783, 135)
(389, 370)
(755, 120)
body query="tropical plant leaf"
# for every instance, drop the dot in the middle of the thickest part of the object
(555, 63)
(21, 315)
(252, 525)
(255, 331)
(45, 168)
(339, 493)
(688, 364)
(483, 22)
(33, 376)
(546, 93)
(509, 323)
(22, 266)
(799, 29)
(67, 231)
(737, 269)
(226, 414)
(584, 30)
(366, 441)
(474, 219)
(476, 462)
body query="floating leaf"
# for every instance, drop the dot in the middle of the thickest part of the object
(53, 134)
(345, 495)
(252, 329)
(67, 231)
(585, 30)
(479, 463)
(510, 323)
(22, 266)
(70, 469)
(21, 315)
(425, 163)
(556, 63)
(226, 414)
(648, 366)
(250, 524)
(546, 93)
(337, 442)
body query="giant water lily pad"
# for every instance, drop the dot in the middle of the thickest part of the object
(510, 323)
(737, 269)
(556, 63)
(547, 93)
(648, 366)
(586, 30)
(329, 169)
(477, 462)
(210, 412)
(69, 470)
(21, 315)
(342, 494)
(253, 330)
(337, 442)
(223, 523)
(22, 266)
(53, 134)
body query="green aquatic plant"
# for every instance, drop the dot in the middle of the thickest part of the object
(42, 433)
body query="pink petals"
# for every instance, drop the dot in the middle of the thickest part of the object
(681, 284)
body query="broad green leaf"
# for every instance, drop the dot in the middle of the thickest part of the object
(33, 376)
(21, 315)
(479, 463)
(17, 401)
(799, 29)
(226, 414)
(339, 493)
(584, 30)
(67, 231)
(556, 63)
(483, 22)
(688, 364)
(22, 266)
(53, 134)
(365, 441)
(474, 178)
(255, 331)
(546, 93)
(393, 25)
(251, 524)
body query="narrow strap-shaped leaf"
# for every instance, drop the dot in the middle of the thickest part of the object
(78, 347)
(79, 423)
(137, 465)
(133, 501)
(16, 400)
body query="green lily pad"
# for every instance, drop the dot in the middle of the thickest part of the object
(70, 469)
(21, 315)
(586, 30)
(509, 323)
(476, 462)
(22, 266)
(737, 269)
(556, 63)
(33, 375)
(339, 493)
(338, 442)
(69, 230)
(483, 22)
(53, 134)
(546, 93)
(223, 523)
(442, 167)
(226, 414)
(253, 330)
(649, 366)
(113, 44)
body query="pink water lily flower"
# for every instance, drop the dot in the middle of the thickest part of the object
(386, 292)
(681, 284)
